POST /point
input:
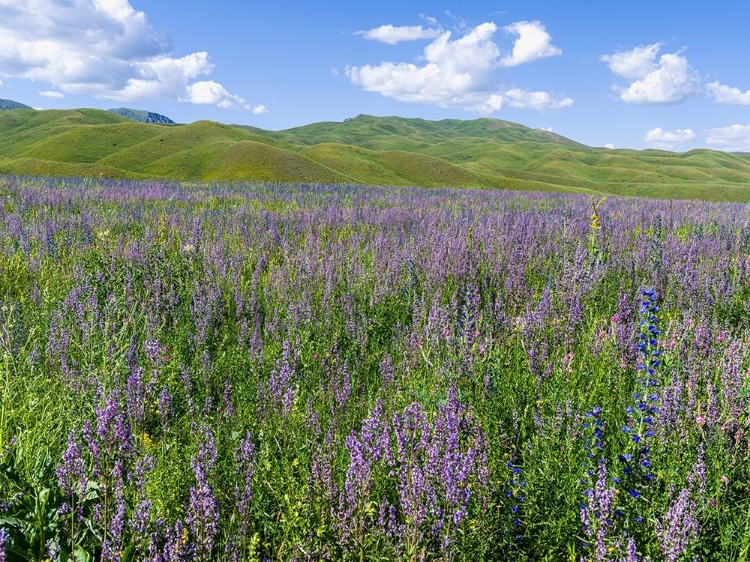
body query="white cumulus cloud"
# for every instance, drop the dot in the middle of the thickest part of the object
(393, 35)
(633, 64)
(208, 92)
(533, 43)
(668, 80)
(659, 138)
(541, 101)
(259, 109)
(610, 146)
(52, 94)
(727, 94)
(452, 73)
(732, 138)
(103, 48)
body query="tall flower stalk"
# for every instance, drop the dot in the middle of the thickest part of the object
(203, 512)
(637, 473)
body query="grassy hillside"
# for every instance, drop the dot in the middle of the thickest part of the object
(368, 131)
(485, 153)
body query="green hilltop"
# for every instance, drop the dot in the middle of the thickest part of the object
(481, 153)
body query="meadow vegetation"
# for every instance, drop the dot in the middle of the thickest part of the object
(196, 372)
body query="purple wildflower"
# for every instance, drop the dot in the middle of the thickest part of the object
(281, 388)
(597, 516)
(228, 407)
(244, 456)
(112, 545)
(678, 527)
(141, 518)
(365, 449)
(165, 407)
(71, 473)
(178, 548)
(203, 513)
(386, 371)
(153, 350)
(4, 539)
(631, 553)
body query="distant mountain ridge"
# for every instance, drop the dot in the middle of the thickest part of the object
(142, 116)
(7, 105)
(369, 131)
(366, 150)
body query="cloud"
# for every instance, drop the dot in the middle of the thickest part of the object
(659, 138)
(393, 35)
(541, 101)
(453, 70)
(52, 94)
(670, 80)
(727, 94)
(731, 138)
(453, 73)
(102, 48)
(429, 19)
(460, 22)
(259, 109)
(633, 64)
(208, 92)
(533, 43)
(610, 146)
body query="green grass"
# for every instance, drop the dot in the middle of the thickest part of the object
(91, 143)
(484, 153)
(246, 160)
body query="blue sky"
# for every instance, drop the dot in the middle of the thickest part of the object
(629, 74)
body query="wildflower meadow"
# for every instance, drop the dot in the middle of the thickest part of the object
(195, 372)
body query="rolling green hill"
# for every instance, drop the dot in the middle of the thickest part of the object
(484, 153)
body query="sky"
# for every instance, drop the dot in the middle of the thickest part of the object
(630, 74)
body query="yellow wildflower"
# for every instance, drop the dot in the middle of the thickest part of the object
(595, 224)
